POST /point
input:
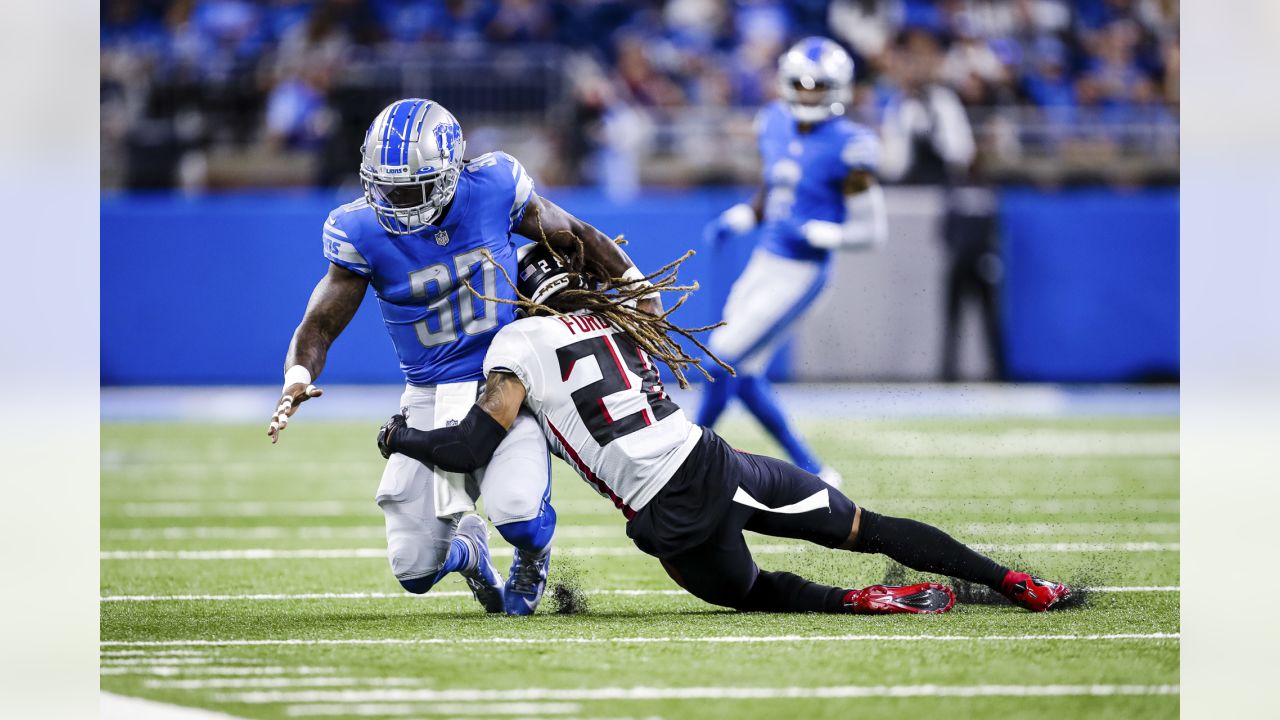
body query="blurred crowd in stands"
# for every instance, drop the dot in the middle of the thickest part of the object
(223, 93)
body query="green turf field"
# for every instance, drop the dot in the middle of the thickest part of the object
(226, 562)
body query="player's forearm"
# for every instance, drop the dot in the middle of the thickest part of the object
(462, 448)
(308, 348)
(602, 250)
(544, 220)
(332, 305)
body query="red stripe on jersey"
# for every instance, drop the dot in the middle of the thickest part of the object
(607, 417)
(644, 360)
(568, 371)
(621, 370)
(604, 489)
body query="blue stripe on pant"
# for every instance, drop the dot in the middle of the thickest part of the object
(790, 316)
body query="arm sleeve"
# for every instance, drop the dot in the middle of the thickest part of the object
(895, 133)
(339, 248)
(952, 135)
(461, 448)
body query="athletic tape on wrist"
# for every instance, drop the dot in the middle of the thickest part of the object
(740, 218)
(634, 276)
(297, 374)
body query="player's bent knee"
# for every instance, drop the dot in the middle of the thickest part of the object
(724, 591)
(531, 535)
(415, 551)
(418, 585)
(416, 564)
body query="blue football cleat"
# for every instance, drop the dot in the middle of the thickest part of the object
(527, 582)
(482, 577)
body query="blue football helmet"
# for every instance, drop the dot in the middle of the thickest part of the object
(411, 158)
(815, 78)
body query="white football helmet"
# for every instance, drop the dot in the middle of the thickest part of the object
(412, 155)
(815, 78)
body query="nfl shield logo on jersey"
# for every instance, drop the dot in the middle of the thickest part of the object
(442, 238)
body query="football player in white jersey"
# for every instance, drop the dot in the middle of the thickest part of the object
(586, 369)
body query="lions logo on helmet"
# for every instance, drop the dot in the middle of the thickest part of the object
(411, 157)
(815, 78)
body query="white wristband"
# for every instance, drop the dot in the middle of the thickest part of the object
(634, 276)
(297, 374)
(740, 218)
(823, 234)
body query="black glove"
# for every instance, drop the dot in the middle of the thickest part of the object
(386, 434)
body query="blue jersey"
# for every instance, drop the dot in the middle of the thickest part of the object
(804, 175)
(440, 330)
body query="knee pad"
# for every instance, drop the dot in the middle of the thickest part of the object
(531, 535)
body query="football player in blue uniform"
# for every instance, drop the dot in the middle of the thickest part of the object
(819, 194)
(430, 224)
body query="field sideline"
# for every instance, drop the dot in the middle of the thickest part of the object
(252, 581)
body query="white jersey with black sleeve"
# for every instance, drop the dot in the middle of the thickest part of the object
(600, 402)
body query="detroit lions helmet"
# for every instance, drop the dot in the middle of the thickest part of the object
(411, 158)
(815, 78)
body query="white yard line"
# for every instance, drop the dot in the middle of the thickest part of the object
(443, 594)
(615, 530)
(696, 693)
(588, 506)
(1064, 528)
(120, 707)
(277, 682)
(151, 653)
(459, 709)
(229, 670)
(727, 639)
(591, 551)
(1137, 589)
(1078, 547)
(1020, 443)
(168, 661)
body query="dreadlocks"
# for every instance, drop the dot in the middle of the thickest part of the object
(614, 300)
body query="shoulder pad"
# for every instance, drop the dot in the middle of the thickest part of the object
(339, 238)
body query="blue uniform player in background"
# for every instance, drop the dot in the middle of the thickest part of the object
(429, 225)
(819, 194)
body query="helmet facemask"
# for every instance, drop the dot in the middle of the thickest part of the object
(405, 205)
(812, 100)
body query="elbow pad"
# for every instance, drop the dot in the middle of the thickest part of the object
(462, 448)
(866, 223)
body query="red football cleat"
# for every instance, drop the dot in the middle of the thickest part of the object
(920, 598)
(1033, 593)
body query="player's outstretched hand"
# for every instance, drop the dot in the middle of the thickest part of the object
(293, 396)
(385, 433)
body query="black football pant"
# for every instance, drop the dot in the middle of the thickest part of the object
(773, 498)
(779, 499)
